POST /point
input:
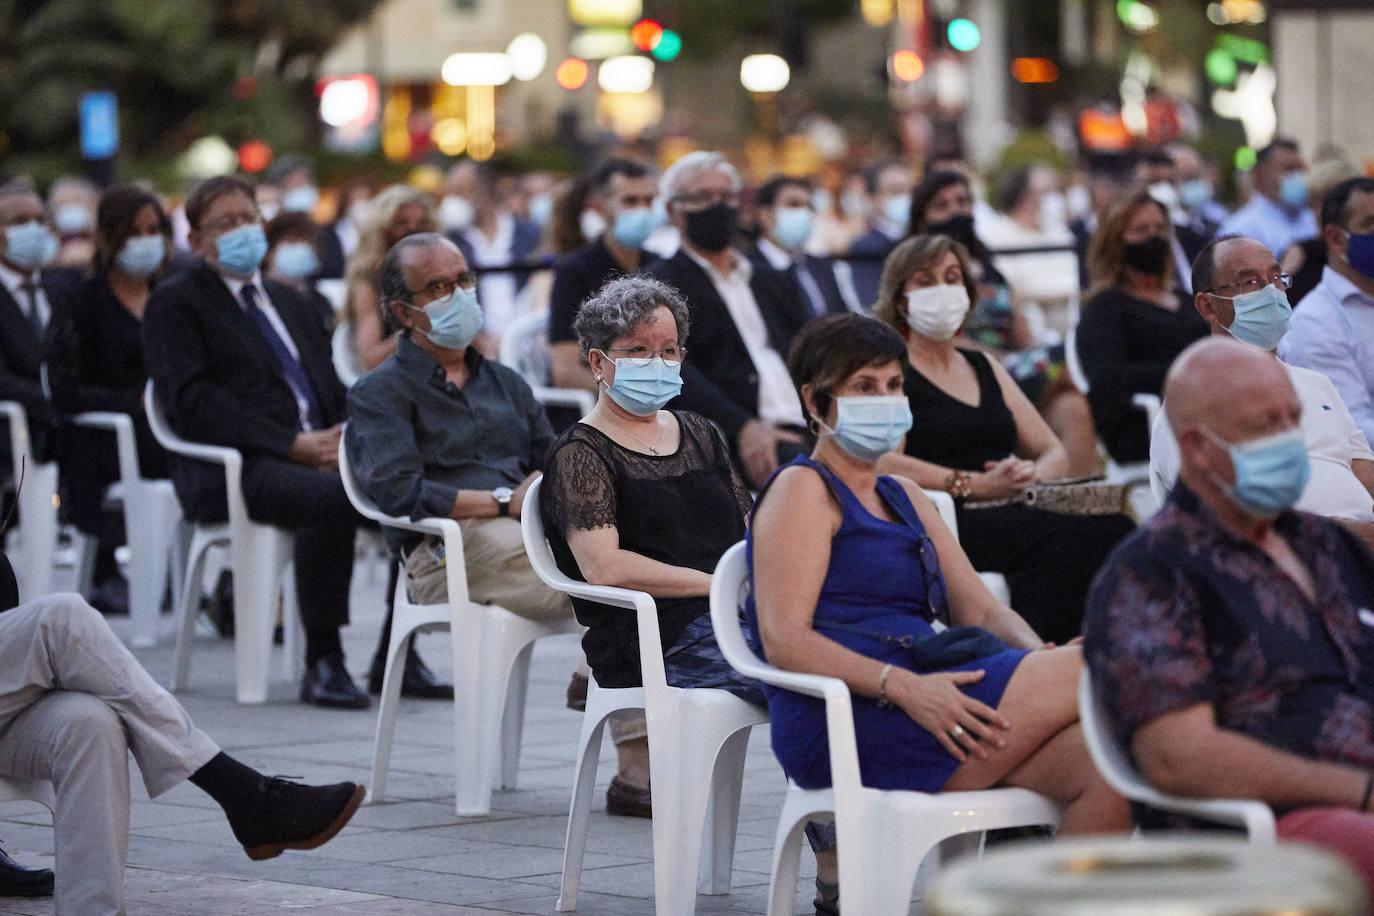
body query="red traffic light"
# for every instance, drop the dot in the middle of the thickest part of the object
(646, 34)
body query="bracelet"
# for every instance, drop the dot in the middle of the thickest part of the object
(1368, 791)
(883, 701)
(959, 485)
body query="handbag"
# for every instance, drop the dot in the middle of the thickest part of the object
(1067, 497)
(939, 651)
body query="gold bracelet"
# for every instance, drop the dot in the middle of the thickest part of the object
(959, 485)
(882, 686)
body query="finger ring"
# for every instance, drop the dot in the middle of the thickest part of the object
(956, 731)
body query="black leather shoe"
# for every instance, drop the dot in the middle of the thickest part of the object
(327, 684)
(285, 815)
(626, 800)
(23, 881)
(417, 681)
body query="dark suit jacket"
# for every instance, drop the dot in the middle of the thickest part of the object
(822, 270)
(869, 249)
(218, 381)
(21, 361)
(330, 252)
(719, 380)
(523, 245)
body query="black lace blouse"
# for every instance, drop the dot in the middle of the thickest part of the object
(684, 509)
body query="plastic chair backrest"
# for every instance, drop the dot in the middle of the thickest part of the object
(944, 504)
(168, 439)
(341, 352)
(728, 585)
(1072, 361)
(524, 347)
(645, 608)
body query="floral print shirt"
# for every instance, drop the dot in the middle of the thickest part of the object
(1184, 613)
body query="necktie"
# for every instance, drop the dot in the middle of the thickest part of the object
(35, 320)
(295, 375)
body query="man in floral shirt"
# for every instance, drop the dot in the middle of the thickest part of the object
(1232, 639)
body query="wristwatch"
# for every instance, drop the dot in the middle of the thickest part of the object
(502, 496)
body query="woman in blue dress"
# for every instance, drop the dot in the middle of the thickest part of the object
(849, 570)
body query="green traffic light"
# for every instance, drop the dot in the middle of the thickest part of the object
(668, 47)
(1221, 67)
(963, 35)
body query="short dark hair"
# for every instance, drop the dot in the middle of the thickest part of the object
(1286, 144)
(114, 221)
(831, 348)
(925, 192)
(211, 190)
(616, 165)
(391, 280)
(874, 172)
(768, 192)
(1155, 156)
(1013, 187)
(1336, 203)
(1205, 264)
(291, 223)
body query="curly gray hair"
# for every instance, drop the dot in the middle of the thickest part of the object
(623, 305)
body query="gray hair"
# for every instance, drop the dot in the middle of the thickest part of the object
(623, 305)
(690, 166)
(391, 284)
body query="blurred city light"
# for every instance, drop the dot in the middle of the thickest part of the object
(348, 100)
(764, 73)
(1246, 159)
(907, 65)
(1137, 16)
(483, 69)
(669, 46)
(963, 35)
(528, 55)
(1034, 70)
(572, 73)
(207, 157)
(629, 73)
(1244, 49)
(1237, 12)
(450, 136)
(254, 156)
(599, 44)
(605, 12)
(1220, 66)
(646, 34)
(878, 12)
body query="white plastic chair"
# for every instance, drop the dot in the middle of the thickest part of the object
(491, 664)
(151, 516)
(1114, 763)
(261, 558)
(37, 507)
(697, 743)
(996, 582)
(341, 350)
(883, 835)
(525, 348)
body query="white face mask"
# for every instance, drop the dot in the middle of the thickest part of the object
(592, 224)
(937, 311)
(455, 213)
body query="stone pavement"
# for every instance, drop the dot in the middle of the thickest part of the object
(410, 854)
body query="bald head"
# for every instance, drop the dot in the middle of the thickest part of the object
(1218, 378)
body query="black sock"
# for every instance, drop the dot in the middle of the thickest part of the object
(322, 642)
(230, 783)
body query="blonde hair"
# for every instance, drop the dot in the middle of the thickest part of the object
(1105, 266)
(919, 252)
(365, 267)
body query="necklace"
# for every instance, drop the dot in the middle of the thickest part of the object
(651, 446)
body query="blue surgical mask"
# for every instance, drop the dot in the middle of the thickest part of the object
(1293, 189)
(869, 427)
(1359, 253)
(897, 209)
(633, 227)
(1261, 316)
(1195, 193)
(72, 218)
(541, 209)
(240, 251)
(644, 390)
(30, 245)
(1271, 472)
(793, 226)
(453, 320)
(295, 259)
(300, 199)
(141, 255)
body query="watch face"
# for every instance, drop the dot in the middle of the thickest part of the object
(501, 494)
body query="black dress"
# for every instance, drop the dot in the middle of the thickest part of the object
(95, 362)
(684, 509)
(1126, 346)
(1049, 558)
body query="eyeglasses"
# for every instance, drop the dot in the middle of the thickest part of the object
(1281, 280)
(232, 221)
(700, 200)
(672, 354)
(937, 598)
(440, 289)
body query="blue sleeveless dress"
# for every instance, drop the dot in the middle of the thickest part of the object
(875, 583)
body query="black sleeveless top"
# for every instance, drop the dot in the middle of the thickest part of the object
(684, 509)
(948, 432)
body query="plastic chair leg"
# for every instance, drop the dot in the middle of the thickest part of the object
(387, 706)
(876, 873)
(152, 515)
(680, 794)
(86, 548)
(188, 607)
(723, 814)
(584, 783)
(293, 631)
(38, 528)
(513, 719)
(782, 890)
(260, 557)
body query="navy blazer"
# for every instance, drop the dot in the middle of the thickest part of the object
(870, 250)
(822, 270)
(218, 381)
(21, 360)
(719, 380)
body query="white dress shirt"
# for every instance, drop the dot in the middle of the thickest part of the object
(236, 285)
(1333, 442)
(496, 292)
(1274, 225)
(14, 282)
(778, 402)
(1332, 331)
